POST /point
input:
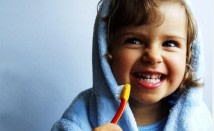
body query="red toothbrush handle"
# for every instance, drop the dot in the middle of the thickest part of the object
(119, 111)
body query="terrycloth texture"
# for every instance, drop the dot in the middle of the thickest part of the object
(98, 105)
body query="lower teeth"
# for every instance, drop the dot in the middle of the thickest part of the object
(151, 80)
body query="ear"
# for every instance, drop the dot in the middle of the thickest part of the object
(109, 57)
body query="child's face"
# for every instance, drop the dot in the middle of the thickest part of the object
(152, 57)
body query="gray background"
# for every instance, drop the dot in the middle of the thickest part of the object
(45, 58)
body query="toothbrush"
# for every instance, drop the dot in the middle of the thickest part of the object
(124, 96)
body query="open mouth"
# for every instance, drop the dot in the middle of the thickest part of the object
(149, 79)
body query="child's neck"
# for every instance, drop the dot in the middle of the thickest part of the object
(146, 114)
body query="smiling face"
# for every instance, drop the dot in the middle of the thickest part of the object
(152, 57)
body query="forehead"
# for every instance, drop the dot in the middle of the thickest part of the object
(169, 13)
(174, 17)
(172, 22)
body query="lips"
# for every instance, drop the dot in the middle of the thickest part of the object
(149, 80)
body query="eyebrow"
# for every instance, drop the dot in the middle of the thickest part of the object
(175, 37)
(165, 36)
(130, 34)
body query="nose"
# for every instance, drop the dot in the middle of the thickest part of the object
(152, 55)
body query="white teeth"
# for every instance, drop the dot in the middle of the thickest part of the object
(152, 80)
(153, 76)
(147, 76)
(150, 76)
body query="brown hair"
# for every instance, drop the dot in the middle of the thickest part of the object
(138, 12)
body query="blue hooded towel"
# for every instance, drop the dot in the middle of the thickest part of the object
(98, 105)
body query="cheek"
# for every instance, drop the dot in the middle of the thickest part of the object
(121, 66)
(176, 68)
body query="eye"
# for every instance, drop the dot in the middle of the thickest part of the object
(133, 41)
(170, 43)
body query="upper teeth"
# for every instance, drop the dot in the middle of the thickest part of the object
(150, 78)
(153, 76)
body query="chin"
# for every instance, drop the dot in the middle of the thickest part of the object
(147, 100)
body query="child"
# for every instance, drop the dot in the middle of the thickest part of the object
(154, 46)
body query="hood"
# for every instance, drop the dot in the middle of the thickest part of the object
(103, 79)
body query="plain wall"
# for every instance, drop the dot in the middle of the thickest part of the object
(45, 58)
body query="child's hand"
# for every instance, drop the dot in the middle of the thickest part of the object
(108, 127)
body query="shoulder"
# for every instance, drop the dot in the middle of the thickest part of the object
(65, 125)
(190, 113)
(79, 105)
(76, 115)
(82, 98)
